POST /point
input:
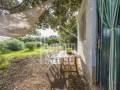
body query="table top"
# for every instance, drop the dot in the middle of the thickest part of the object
(64, 54)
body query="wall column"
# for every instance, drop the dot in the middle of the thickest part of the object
(89, 43)
(91, 28)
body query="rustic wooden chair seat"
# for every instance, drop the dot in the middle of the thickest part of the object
(69, 65)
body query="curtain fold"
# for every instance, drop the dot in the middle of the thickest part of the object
(108, 13)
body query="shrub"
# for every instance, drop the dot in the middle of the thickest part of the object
(14, 45)
(52, 40)
(3, 47)
(11, 45)
(46, 46)
(31, 45)
(4, 63)
(29, 39)
(38, 44)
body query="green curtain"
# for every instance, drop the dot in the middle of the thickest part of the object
(108, 12)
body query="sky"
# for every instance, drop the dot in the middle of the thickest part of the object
(47, 32)
(20, 1)
(3, 38)
(43, 33)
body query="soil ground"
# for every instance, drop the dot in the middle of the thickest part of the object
(29, 74)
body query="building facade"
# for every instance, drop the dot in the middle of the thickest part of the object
(99, 38)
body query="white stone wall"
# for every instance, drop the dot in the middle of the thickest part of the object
(87, 48)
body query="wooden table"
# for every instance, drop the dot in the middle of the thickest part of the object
(69, 64)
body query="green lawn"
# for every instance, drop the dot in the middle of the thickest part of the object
(24, 52)
(4, 60)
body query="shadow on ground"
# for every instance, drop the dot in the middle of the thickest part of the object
(60, 81)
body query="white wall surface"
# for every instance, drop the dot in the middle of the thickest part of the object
(89, 45)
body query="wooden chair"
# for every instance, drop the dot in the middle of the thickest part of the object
(69, 65)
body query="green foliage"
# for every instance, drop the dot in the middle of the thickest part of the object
(29, 39)
(31, 45)
(62, 5)
(69, 50)
(9, 4)
(4, 63)
(52, 40)
(15, 6)
(31, 42)
(68, 33)
(46, 46)
(55, 16)
(14, 45)
(58, 16)
(38, 44)
(11, 45)
(3, 47)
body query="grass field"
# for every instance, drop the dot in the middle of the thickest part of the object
(23, 53)
(5, 58)
(26, 52)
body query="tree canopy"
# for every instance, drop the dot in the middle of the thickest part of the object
(58, 14)
(61, 16)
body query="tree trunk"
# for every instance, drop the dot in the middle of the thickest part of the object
(19, 24)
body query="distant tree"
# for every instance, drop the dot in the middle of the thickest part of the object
(52, 40)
